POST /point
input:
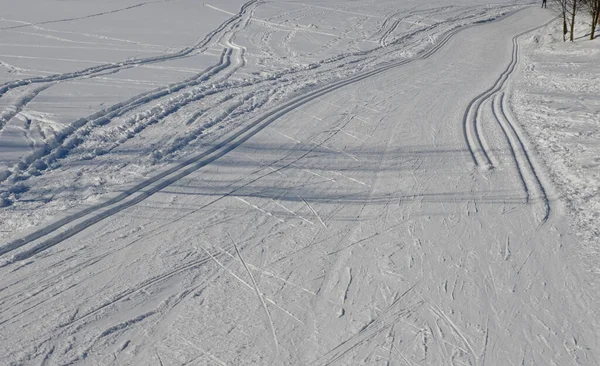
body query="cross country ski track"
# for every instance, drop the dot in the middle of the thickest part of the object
(115, 67)
(81, 220)
(393, 215)
(480, 150)
(231, 60)
(128, 63)
(76, 132)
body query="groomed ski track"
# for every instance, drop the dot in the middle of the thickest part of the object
(395, 217)
(164, 179)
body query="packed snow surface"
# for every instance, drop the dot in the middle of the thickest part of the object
(557, 96)
(293, 182)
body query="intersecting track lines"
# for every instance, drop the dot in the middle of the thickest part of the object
(96, 69)
(262, 301)
(383, 321)
(231, 60)
(83, 219)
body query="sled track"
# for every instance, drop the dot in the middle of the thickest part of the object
(145, 189)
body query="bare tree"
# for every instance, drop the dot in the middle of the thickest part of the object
(594, 9)
(573, 11)
(563, 9)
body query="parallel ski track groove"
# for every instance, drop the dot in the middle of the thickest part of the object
(116, 67)
(9, 113)
(537, 181)
(136, 101)
(383, 40)
(473, 135)
(183, 169)
(471, 131)
(383, 26)
(135, 62)
(66, 140)
(503, 125)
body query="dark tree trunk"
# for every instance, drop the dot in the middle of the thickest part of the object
(595, 12)
(565, 28)
(574, 10)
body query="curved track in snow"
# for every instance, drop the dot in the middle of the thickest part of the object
(166, 178)
(350, 223)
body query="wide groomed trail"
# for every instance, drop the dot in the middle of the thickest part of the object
(395, 216)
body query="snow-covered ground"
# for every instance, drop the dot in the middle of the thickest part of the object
(101, 126)
(557, 100)
(285, 182)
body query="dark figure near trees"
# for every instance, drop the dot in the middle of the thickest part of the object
(543, 3)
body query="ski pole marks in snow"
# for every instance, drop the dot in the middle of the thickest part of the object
(380, 249)
(183, 169)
